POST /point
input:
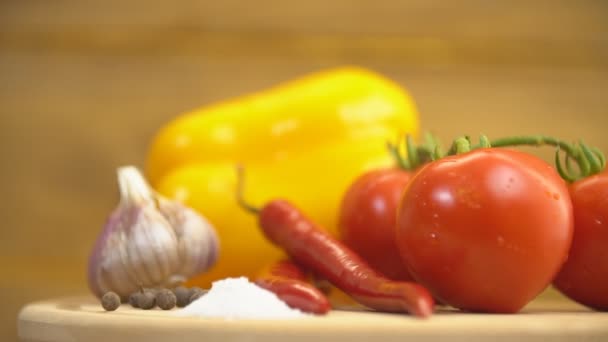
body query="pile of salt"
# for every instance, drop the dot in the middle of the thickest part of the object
(238, 298)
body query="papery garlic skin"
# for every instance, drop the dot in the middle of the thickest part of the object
(198, 250)
(149, 241)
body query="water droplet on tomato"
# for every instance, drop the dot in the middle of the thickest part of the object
(598, 221)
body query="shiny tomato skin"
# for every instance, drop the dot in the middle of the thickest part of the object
(584, 276)
(487, 230)
(367, 219)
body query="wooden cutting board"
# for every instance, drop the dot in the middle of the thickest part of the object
(83, 319)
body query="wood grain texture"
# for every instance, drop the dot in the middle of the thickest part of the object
(85, 84)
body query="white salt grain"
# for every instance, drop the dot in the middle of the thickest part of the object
(238, 298)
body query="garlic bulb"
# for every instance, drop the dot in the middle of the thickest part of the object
(149, 241)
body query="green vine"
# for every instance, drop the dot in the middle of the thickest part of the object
(587, 159)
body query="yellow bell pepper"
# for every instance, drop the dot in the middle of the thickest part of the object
(305, 141)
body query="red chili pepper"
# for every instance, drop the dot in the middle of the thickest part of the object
(312, 247)
(288, 282)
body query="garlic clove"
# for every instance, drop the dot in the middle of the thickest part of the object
(187, 224)
(107, 271)
(151, 246)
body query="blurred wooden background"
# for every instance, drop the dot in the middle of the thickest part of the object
(85, 84)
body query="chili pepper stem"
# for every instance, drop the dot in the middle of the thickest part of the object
(240, 184)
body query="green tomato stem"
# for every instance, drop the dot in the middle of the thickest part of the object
(566, 175)
(588, 160)
(394, 151)
(484, 142)
(534, 140)
(412, 151)
(462, 145)
(594, 162)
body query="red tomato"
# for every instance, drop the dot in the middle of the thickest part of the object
(584, 276)
(486, 230)
(367, 220)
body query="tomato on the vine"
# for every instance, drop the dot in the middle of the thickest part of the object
(584, 276)
(485, 230)
(367, 219)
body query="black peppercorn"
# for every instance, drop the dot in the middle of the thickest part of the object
(182, 296)
(110, 301)
(133, 299)
(146, 300)
(165, 299)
